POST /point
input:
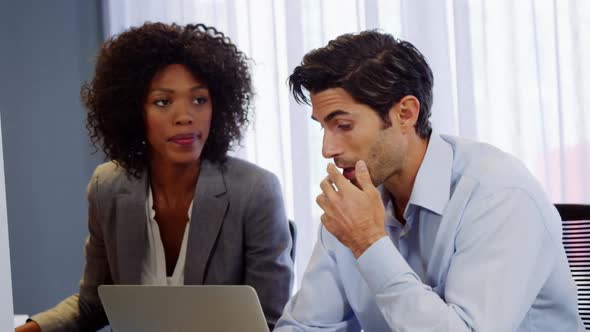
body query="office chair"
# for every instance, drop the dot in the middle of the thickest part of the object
(576, 240)
(293, 231)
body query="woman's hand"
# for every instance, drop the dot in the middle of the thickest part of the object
(30, 326)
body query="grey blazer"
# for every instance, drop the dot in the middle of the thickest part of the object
(239, 234)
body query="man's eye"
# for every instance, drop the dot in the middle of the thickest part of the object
(345, 126)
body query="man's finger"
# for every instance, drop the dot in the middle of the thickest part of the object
(322, 201)
(337, 178)
(328, 189)
(363, 178)
(327, 222)
(324, 219)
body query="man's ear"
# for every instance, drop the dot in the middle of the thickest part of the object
(407, 112)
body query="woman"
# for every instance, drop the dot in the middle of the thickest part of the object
(171, 208)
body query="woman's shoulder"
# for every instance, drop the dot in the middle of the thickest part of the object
(253, 185)
(243, 170)
(109, 177)
(109, 171)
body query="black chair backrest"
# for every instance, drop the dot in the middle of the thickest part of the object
(576, 240)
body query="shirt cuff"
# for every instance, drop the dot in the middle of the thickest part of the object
(381, 263)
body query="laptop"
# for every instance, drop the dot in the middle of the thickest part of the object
(143, 308)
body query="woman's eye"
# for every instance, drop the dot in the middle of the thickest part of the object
(345, 126)
(162, 102)
(200, 100)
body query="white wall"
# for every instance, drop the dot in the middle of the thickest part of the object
(6, 310)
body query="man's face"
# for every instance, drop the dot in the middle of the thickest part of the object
(353, 131)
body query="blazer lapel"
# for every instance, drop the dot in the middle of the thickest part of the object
(131, 223)
(209, 208)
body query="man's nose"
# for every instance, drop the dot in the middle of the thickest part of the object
(330, 148)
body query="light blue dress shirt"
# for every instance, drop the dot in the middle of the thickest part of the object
(481, 251)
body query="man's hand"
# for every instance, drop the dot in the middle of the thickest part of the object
(356, 216)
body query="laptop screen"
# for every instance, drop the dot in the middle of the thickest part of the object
(135, 308)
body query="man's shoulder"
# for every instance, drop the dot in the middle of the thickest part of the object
(487, 165)
(489, 171)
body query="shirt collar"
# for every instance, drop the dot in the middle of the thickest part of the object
(432, 186)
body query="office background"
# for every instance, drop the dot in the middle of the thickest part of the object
(511, 73)
(46, 51)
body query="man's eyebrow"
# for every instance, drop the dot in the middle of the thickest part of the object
(330, 116)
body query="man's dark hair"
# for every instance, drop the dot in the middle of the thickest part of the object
(125, 68)
(374, 68)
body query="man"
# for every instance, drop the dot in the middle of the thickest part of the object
(458, 236)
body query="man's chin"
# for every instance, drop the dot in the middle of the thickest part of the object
(356, 183)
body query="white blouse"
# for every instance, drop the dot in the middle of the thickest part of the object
(154, 265)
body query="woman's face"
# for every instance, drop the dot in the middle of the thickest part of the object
(178, 114)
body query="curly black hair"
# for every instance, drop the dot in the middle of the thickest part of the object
(125, 67)
(375, 68)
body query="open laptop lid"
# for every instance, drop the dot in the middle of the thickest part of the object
(143, 308)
